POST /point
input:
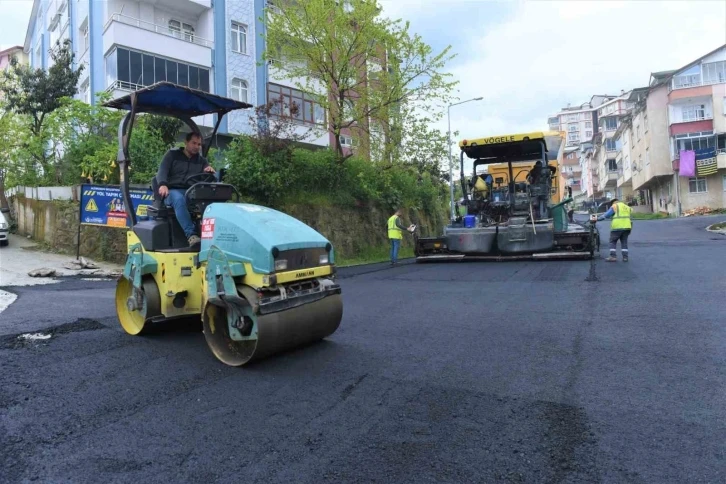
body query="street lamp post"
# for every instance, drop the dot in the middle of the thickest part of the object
(451, 164)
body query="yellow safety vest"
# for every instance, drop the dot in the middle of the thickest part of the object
(621, 219)
(393, 231)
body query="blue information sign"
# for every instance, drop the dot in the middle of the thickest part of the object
(104, 205)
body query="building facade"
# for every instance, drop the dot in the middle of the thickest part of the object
(7, 55)
(680, 111)
(215, 46)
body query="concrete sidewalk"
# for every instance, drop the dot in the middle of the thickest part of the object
(21, 257)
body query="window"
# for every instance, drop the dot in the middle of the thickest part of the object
(86, 91)
(697, 185)
(588, 135)
(239, 90)
(346, 140)
(611, 124)
(83, 31)
(132, 69)
(610, 145)
(647, 156)
(695, 112)
(689, 78)
(309, 111)
(588, 125)
(572, 118)
(612, 165)
(239, 38)
(181, 30)
(692, 144)
(572, 128)
(38, 55)
(645, 122)
(714, 72)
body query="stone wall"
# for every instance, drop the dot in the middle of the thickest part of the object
(55, 223)
(351, 230)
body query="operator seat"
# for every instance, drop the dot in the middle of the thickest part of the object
(162, 231)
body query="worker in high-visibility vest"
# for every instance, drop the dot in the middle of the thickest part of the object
(395, 234)
(620, 228)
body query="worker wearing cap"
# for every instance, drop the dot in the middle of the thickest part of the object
(395, 234)
(620, 228)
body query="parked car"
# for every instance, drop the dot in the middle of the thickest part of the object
(4, 230)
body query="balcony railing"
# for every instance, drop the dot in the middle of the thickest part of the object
(124, 86)
(699, 83)
(699, 118)
(159, 29)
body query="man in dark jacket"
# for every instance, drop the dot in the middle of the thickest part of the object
(177, 165)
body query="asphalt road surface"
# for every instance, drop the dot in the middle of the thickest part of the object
(463, 372)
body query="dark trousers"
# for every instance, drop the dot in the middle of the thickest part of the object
(622, 236)
(395, 245)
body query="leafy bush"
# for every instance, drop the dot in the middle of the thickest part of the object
(299, 175)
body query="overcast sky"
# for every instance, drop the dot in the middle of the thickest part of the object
(530, 58)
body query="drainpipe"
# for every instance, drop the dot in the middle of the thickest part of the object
(678, 194)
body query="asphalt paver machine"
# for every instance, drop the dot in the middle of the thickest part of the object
(511, 217)
(261, 281)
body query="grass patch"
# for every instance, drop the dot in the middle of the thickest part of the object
(718, 226)
(372, 255)
(647, 216)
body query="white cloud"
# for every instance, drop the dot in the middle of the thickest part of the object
(551, 53)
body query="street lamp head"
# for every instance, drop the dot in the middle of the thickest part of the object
(478, 98)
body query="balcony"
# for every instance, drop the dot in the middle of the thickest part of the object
(190, 8)
(691, 126)
(157, 39)
(721, 159)
(691, 90)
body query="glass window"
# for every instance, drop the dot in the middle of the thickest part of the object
(714, 72)
(171, 74)
(193, 77)
(111, 68)
(148, 68)
(308, 111)
(175, 28)
(204, 80)
(238, 90)
(183, 73)
(697, 185)
(159, 70)
(123, 65)
(136, 68)
(239, 38)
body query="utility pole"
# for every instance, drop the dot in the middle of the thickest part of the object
(451, 161)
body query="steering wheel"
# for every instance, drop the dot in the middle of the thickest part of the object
(204, 177)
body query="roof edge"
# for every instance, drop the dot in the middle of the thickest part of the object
(31, 26)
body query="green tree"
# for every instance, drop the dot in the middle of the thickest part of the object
(36, 93)
(369, 73)
(11, 171)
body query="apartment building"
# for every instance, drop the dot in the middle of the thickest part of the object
(605, 149)
(8, 54)
(681, 110)
(570, 173)
(215, 46)
(580, 125)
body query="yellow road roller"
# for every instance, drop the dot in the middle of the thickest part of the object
(261, 281)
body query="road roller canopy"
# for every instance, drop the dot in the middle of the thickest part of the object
(170, 99)
(514, 147)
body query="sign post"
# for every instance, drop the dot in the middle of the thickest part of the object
(103, 206)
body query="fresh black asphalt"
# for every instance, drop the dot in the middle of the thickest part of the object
(559, 371)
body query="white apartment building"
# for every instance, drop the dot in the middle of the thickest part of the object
(680, 110)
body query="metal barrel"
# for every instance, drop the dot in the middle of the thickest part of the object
(276, 332)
